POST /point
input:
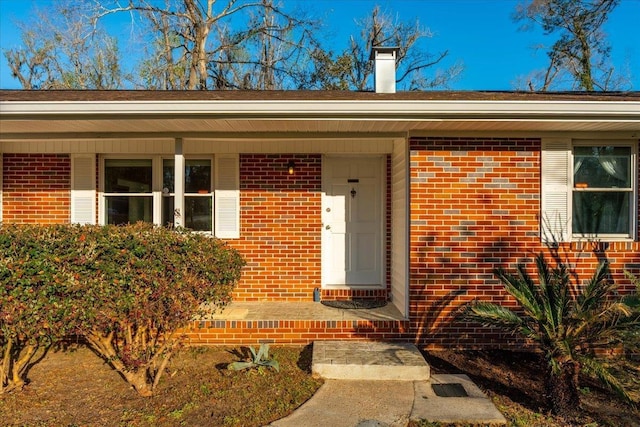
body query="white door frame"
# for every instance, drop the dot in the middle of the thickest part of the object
(381, 255)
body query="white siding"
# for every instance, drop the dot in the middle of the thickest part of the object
(90, 146)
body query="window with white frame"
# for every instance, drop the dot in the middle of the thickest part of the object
(144, 189)
(198, 195)
(602, 190)
(589, 190)
(128, 191)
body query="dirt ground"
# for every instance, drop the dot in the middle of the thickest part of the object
(76, 388)
(515, 382)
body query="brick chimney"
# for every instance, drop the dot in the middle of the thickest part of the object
(384, 63)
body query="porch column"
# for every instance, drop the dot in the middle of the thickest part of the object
(178, 185)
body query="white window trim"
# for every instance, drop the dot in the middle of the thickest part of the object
(102, 195)
(633, 208)
(556, 191)
(210, 194)
(219, 189)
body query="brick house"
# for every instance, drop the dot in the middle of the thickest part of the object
(412, 198)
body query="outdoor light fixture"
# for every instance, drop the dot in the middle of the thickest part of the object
(291, 167)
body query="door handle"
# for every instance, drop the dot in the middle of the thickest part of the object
(327, 227)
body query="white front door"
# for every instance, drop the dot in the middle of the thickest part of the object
(352, 229)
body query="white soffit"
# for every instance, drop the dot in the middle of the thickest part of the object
(354, 116)
(297, 108)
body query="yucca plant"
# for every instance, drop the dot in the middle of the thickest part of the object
(567, 321)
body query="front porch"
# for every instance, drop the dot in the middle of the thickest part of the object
(279, 310)
(244, 323)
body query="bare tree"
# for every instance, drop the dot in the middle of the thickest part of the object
(62, 50)
(195, 46)
(212, 44)
(580, 57)
(281, 46)
(352, 68)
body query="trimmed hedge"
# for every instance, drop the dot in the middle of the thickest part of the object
(126, 289)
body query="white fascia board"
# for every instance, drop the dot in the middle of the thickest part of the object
(341, 109)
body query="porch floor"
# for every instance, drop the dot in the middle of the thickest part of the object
(272, 310)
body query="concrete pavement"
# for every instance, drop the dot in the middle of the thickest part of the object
(384, 385)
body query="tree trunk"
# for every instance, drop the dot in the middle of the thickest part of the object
(562, 389)
(138, 380)
(15, 361)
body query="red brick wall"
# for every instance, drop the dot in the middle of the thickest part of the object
(475, 206)
(36, 188)
(280, 234)
(249, 332)
(280, 227)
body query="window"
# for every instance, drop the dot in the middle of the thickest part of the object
(198, 195)
(602, 190)
(144, 189)
(589, 190)
(128, 193)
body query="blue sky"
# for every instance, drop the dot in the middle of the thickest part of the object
(478, 33)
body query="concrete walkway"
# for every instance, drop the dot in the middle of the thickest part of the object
(382, 402)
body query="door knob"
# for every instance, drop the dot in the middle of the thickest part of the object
(328, 227)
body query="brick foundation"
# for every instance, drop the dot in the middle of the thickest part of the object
(347, 294)
(294, 331)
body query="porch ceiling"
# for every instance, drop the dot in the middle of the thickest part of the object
(52, 114)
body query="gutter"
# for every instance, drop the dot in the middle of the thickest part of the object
(392, 109)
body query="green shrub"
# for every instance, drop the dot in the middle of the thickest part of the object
(127, 290)
(568, 322)
(34, 303)
(632, 337)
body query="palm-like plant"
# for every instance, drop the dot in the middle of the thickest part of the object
(567, 322)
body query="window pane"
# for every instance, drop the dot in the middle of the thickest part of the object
(198, 211)
(197, 176)
(168, 174)
(167, 211)
(601, 212)
(129, 209)
(127, 176)
(602, 167)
